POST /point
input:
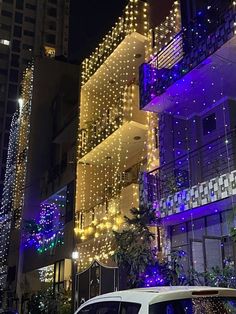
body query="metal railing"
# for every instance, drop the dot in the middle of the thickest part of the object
(212, 160)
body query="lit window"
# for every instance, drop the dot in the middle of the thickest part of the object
(49, 52)
(5, 42)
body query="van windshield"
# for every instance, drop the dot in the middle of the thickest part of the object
(199, 305)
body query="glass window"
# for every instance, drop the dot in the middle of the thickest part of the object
(27, 47)
(20, 4)
(209, 124)
(3, 71)
(213, 225)
(5, 27)
(6, 13)
(52, 12)
(12, 91)
(206, 305)
(89, 309)
(179, 235)
(15, 60)
(16, 45)
(107, 307)
(129, 308)
(30, 6)
(18, 17)
(213, 250)
(196, 229)
(198, 256)
(50, 38)
(52, 25)
(3, 56)
(11, 107)
(17, 31)
(228, 221)
(28, 33)
(29, 19)
(14, 75)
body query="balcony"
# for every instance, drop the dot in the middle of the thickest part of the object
(113, 121)
(132, 21)
(188, 59)
(198, 179)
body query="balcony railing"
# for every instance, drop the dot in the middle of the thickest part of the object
(156, 77)
(133, 20)
(110, 120)
(202, 176)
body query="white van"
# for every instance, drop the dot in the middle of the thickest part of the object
(163, 300)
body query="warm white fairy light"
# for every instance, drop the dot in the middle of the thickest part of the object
(13, 192)
(162, 34)
(46, 274)
(107, 149)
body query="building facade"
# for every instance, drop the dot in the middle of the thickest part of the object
(39, 192)
(27, 29)
(188, 81)
(113, 139)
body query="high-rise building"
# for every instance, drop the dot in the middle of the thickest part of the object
(28, 28)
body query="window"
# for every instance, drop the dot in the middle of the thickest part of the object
(20, 4)
(5, 27)
(204, 305)
(29, 19)
(59, 276)
(129, 308)
(28, 33)
(15, 60)
(52, 25)
(18, 17)
(3, 71)
(14, 75)
(6, 13)
(11, 106)
(89, 309)
(25, 61)
(111, 307)
(50, 38)
(5, 42)
(3, 56)
(27, 47)
(17, 31)
(12, 91)
(30, 6)
(209, 124)
(16, 45)
(52, 12)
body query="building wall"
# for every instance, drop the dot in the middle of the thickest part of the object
(55, 93)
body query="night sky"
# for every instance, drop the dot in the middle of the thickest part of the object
(90, 20)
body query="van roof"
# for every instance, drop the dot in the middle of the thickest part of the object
(161, 294)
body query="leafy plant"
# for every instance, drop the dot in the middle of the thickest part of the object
(216, 277)
(134, 251)
(48, 302)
